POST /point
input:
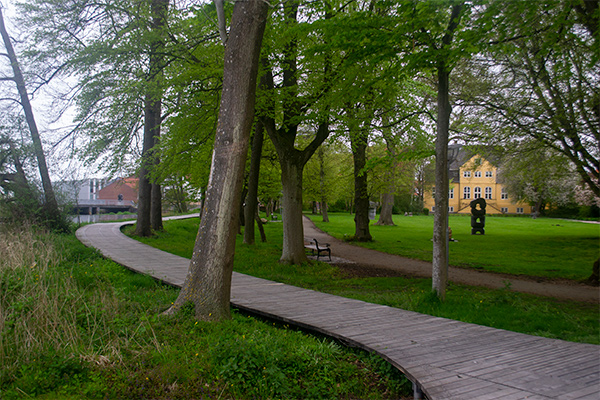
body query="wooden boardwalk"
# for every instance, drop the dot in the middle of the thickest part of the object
(445, 359)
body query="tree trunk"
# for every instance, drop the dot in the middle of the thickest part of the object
(156, 207)
(440, 220)
(324, 211)
(387, 206)
(144, 226)
(208, 282)
(322, 185)
(293, 231)
(387, 199)
(361, 190)
(261, 229)
(50, 205)
(241, 218)
(149, 214)
(442, 186)
(251, 208)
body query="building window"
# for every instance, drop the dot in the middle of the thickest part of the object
(477, 192)
(466, 174)
(450, 209)
(451, 193)
(519, 210)
(477, 174)
(488, 193)
(489, 174)
(467, 192)
(504, 210)
(432, 208)
(504, 195)
(433, 192)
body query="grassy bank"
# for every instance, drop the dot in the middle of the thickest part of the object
(74, 325)
(542, 247)
(503, 309)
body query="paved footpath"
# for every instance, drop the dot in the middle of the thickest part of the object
(445, 359)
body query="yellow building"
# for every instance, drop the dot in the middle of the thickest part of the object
(471, 177)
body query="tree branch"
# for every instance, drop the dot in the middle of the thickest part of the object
(221, 21)
(10, 99)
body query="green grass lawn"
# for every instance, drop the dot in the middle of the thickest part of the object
(503, 309)
(540, 247)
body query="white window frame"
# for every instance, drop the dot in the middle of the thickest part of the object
(489, 174)
(488, 193)
(520, 210)
(504, 210)
(450, 209)
(467, 192)
(451, 193)
(504, 195)
(466, 174)
(477, 192)
(477, 174)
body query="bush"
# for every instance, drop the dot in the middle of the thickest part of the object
(338, 206)
(24, 203)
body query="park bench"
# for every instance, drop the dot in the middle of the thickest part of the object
(315, 248)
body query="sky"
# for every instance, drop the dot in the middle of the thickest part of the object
(46, 112)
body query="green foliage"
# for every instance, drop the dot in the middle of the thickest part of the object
(268, 366)
(547, 62)
(530, 172)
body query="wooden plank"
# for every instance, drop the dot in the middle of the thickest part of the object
(591, 392)
(506, 393)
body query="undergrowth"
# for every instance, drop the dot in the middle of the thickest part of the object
(74, 325)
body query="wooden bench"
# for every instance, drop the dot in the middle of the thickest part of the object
(315, 248)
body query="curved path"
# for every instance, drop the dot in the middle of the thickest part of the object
(445, 359)
(564, 290)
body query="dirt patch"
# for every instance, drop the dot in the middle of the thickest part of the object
(368, 271)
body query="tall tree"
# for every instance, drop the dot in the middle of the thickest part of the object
(126, 62)
(534, 173)
(440, 221)
(387, 197)
(251, 206)
(149, 215)
(295, 107)
(322, 185)
(50, 204)
(208, 282)
(440, 41)
(545, 80)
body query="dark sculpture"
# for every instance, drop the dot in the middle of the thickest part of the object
(478, 216)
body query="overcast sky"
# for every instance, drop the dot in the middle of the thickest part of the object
(45, 110)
